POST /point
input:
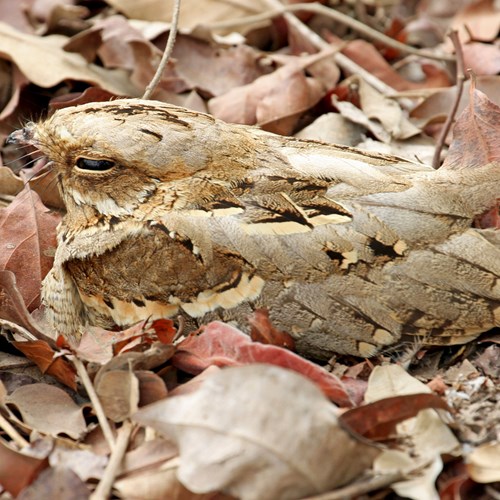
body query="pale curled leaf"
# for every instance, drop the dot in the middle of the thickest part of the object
(427, 437)
(484, 463)
(270, 432)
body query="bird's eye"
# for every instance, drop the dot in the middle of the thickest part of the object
(94, 165)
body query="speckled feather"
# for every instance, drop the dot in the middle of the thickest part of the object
(350, 251)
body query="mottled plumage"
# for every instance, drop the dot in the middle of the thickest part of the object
(171, 212)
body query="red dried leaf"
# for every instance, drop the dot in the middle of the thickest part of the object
(45, 358)
(12, 307)
(264, 332)
(165, 330)
(222, 345)
(18, 470)
(377, 420)
(27, 233)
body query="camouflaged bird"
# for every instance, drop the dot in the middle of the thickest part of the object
(172, 212)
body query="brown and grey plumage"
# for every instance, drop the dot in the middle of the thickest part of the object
(173, 212)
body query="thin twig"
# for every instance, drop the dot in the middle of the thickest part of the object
(166, 53)
(96, 404)
(357, 489)
(103, 489)
(339, 17)
(342, 61)
(436, 160)
(12, 432)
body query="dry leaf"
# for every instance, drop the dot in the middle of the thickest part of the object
(483, 464)
(256, 453)
(118, 391)
(27, 235)
(84, 462)
(479, 124)
(426, 436)
(57, 482)
(223, 345)
(333, 128)
(46, 64)
(48, 362)
(49, 410)
(274, 101)
(17, 469)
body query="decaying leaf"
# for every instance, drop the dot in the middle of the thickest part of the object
(427, 437)
(49, 410)
(301, 451)
(223, 345)
(27, 235)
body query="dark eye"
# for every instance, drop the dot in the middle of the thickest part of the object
(94, 165)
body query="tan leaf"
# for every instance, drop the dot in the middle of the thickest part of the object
(118, 391)
(256, 452)
(49, 410)
(483, 464)
(427, 437)
(46, 64)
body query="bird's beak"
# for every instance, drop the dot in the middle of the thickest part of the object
(21, 136)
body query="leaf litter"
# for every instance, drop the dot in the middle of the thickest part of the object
(217, 414)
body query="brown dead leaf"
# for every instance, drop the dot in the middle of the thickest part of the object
(45, 63)
(254, 452)
(479, 20)
(377, 421)
(154, 356)
(45, 358)
(478, 124)
(27, 233)
(17, 469)
(216, 69)
(151, 10)
(56, 482)
(48, 410)
(436, 107)
(263, 331)
(151, 387)
(273, 101)
(13, 308)
(368, 57)
(10, 183)
(118, 391)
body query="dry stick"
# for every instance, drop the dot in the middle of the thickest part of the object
(357, 489)
(96, 404)
(343, 61)
(106, 483)
(166, 53)
(337, 16)
(12, 432)
(460, 87)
